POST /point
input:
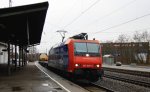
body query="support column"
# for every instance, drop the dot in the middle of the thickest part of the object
(19, 56)
(25, 57)
(22, 56)
(12, 54)
(8, 66)
(15, 57)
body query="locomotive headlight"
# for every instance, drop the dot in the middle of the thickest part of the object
(76, 65)
(87, 55)
(97, 65)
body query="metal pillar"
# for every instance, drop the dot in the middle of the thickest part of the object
(8, 66)
(15, 57)
(25, 57)
(12, 54)
(19, 56)
(22, 56)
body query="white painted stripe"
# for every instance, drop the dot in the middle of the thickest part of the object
(53, 79)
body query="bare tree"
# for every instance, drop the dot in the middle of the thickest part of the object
(141, 37)
(145, 36)
(123, 38)
(137, 37)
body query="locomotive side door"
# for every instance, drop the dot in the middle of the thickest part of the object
(65, 57)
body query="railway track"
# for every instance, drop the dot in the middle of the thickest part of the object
(131, 72)
(102, 87)
(136, 82)
(132, 80)
(93, 87)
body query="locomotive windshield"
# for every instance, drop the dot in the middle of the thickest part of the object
(87, 48)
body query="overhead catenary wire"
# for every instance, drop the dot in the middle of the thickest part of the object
(82, 13)
(123, 23)
(59, 21)
(116, 10)
(143, 29)
(67, 12)
(110, 13)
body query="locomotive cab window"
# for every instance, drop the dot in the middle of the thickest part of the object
(82, 49)
(93, 48)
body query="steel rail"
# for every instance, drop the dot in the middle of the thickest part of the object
(103, 87)
(136, 82)
(131, 72)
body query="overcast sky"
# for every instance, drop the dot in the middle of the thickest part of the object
(101, 19)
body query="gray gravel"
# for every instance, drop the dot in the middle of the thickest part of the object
(119, 86)
(132, 77)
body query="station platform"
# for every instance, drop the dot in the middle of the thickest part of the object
(129, 67)
(28, 79)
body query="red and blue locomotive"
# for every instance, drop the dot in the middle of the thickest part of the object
(78, 58)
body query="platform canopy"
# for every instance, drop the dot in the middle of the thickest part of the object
(23, 25)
